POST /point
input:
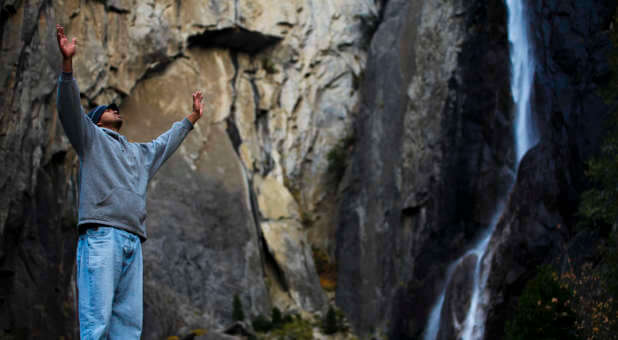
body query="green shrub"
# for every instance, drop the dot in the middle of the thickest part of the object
(237, 313)
(329, 324)
(611, 257)
(592, 302)
(341, 324)
(298, 329)
(287, 318)
(261, 324)
(337, 158)
(276, 318)
(543, 311)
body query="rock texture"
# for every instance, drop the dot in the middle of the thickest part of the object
(422, 86)
(431, 160)
(572, 46)
(238, 207)
(436, 151)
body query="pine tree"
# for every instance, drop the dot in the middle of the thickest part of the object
(237, 313)
(276, 318)
(330, 322)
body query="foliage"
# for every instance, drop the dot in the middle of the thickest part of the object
(282, 327)
(276, 318)
(298, 329)
(237, 313)
(599, 205)
(595, 286)
(337, 158)
(261, 324)
(594, 305)
(327, 271)
(543, 311)
(329, 324)
(341, 321)
(611, 259)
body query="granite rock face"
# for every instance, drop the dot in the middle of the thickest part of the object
(437, 149)
(422, 86)
(431, 160)
(237, 209)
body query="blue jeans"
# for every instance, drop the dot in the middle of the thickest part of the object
(109, 284)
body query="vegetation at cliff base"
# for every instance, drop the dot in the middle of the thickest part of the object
(282, 326)
(543, 311)
(329, 324)
(594, 305)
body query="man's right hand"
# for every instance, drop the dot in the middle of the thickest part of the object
(66, 48)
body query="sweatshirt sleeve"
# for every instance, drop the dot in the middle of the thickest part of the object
(159, 150)
(78, 127)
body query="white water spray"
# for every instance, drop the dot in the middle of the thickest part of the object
(522, 76)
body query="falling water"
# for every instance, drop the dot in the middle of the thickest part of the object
(522, 75)
(522, 72)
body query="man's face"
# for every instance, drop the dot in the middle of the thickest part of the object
(110, 118)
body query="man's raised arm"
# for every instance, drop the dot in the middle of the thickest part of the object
(77, 126)
(160, 149)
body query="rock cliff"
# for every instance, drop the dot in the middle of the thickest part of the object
(432, 160)
(436, 153)
(420, 87)
(572, 44)
(239, 206)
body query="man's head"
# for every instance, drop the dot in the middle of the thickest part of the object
(107, 116)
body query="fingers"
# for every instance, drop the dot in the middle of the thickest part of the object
(198, 106)
(59, 32)
(197, 95)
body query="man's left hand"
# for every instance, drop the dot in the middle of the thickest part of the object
(198, 107)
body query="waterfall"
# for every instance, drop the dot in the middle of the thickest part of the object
(522, 76)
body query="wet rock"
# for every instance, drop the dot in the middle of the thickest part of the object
(571, 55)
(457, 300)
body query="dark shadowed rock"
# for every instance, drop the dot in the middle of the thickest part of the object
(236, 38)
(457, 299)
(432, 159)
(571, 53)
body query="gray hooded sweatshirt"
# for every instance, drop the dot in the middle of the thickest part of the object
(113, 174)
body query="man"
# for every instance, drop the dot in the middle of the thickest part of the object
(113, 180)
